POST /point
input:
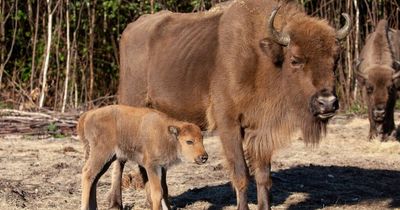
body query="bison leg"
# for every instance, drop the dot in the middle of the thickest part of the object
(232, 143)
(262, 174)
(373, 131)
(165, 202)
(94, 168)
(154, 175)
(388, 123)
(115, 195)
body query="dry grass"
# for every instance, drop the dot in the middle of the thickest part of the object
(344, 172)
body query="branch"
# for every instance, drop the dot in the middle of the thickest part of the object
(14, 34)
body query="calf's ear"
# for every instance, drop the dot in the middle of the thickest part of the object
(174, 130)
(273, 50)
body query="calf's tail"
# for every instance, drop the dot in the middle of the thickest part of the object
(81, 133)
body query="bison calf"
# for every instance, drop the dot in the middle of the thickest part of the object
(146, 136)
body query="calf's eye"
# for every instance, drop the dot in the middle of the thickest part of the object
(189, 142)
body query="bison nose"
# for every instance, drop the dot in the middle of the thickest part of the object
(328, 104)
(204, 158)
(379, 113)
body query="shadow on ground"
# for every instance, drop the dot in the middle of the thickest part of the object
(325, 186)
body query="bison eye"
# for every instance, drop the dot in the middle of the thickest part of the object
(296, 62)
(189, 142)
(370, 89)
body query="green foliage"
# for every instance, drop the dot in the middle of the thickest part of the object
(59, 136)
(397, 106)
(52, 127)
(357, 108)
(4, 105)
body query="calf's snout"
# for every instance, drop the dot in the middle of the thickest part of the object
(202, 159)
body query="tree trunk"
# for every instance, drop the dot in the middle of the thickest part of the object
(68, 61)
(91, 51)
(2, 39)
(356, 43)
(47, 54)
(4, 60)
(34, 41)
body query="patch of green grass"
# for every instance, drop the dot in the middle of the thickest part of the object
(5, 105)
(52, 127)
(397, 106)
(357, 108)
(55, 131)
(58, 136)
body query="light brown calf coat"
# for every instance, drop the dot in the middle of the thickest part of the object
(146, 136)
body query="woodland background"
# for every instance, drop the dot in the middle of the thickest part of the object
(62, 55)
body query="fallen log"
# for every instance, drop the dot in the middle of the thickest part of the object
(37, 123)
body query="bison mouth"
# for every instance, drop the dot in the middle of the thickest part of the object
(378, 114)
(378, 119)
(324, 106)
(326, 116)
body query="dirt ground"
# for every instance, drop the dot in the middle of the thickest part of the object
(344, 172)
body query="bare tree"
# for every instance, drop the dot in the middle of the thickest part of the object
(34, 42)
(356, 41)
(47, 53)
(4, 60)
(68, 61)
(91, 50)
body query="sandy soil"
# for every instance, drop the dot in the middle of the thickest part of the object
(344, 172)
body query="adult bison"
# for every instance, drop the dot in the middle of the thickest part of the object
(255, 73)
(377, 75)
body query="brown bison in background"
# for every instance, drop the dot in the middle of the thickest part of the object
(377, 74)
(254, 73)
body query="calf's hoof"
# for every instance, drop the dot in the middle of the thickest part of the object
(113, 202)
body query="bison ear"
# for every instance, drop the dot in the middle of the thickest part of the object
(396, 65)
(174, 130)
(396, 75)
(396, 79)
(361, 78)
(272, 50)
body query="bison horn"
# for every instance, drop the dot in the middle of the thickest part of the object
(396, 75)
(345, 30)
(397, 65)
(357, 63)
(278, 37)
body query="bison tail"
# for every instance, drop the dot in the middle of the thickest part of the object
(81, 133)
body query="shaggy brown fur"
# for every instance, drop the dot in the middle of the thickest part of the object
(377, 76)
(223, 70)
(394, 39)
(146, 136)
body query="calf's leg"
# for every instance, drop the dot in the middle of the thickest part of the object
(115, 194)
(164, 202)
(154, 175)
(94, 168)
